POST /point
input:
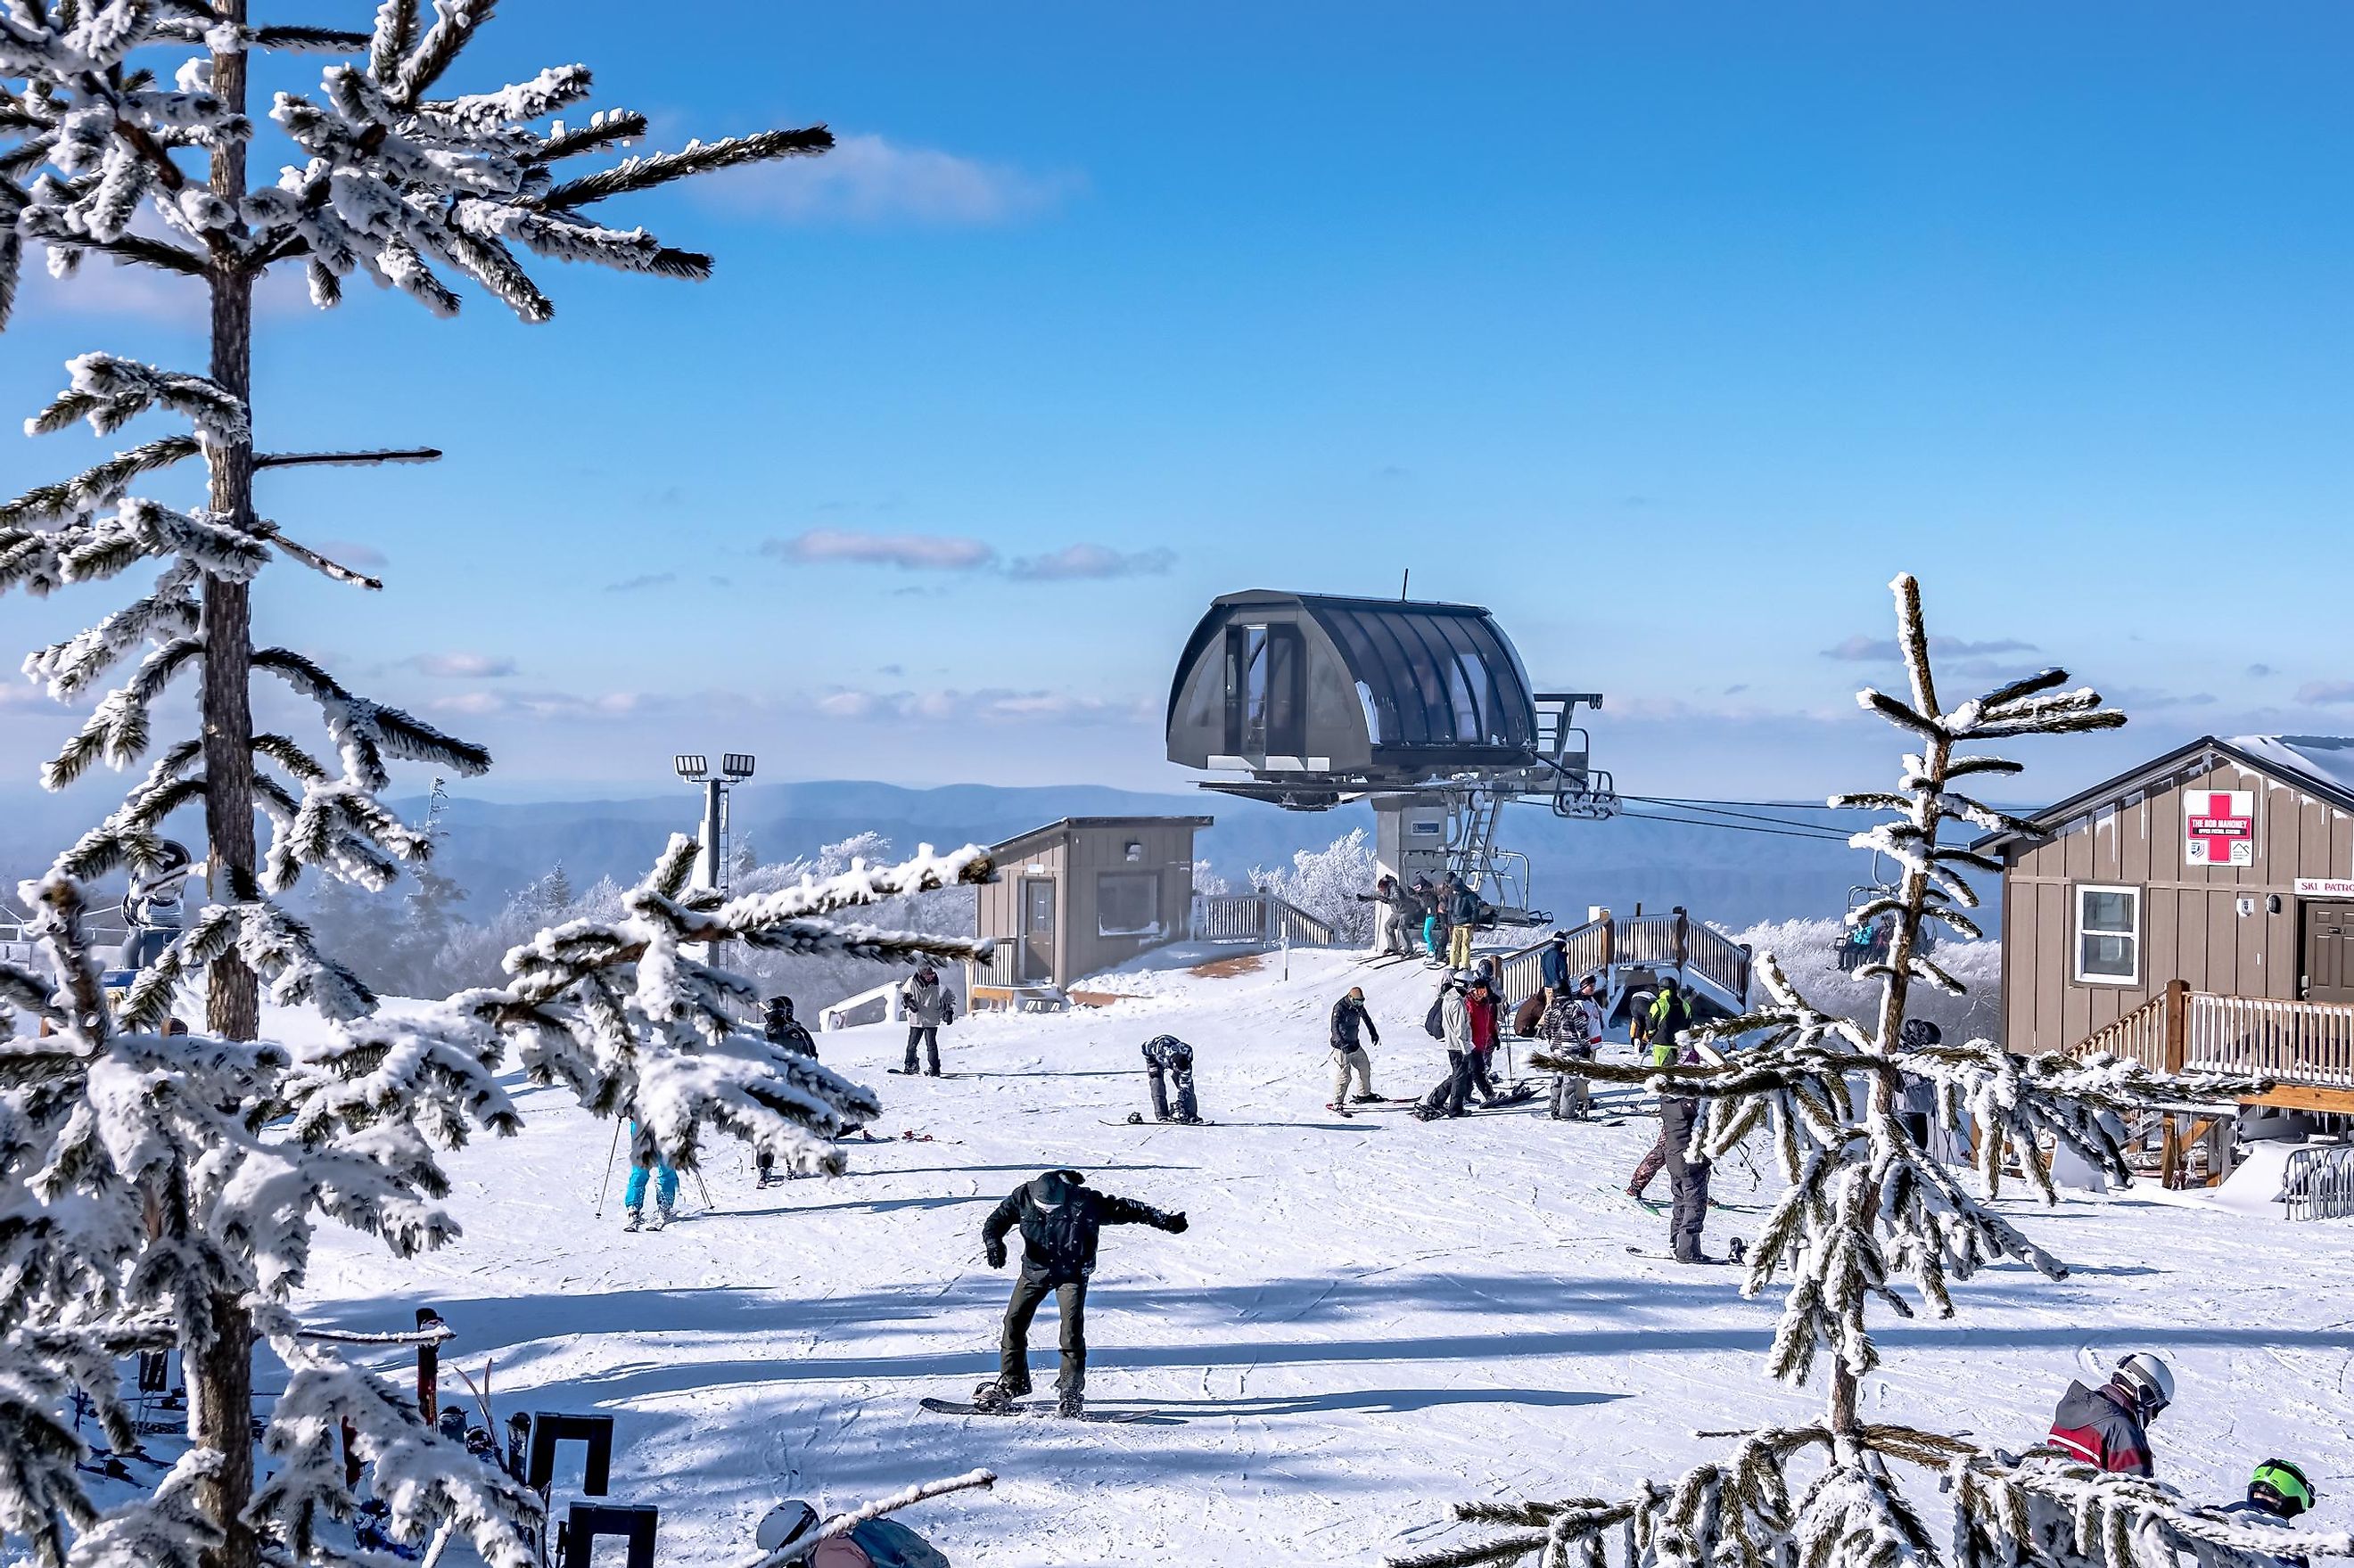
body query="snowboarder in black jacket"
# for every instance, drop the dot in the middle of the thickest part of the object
(781, 1029)
(1059, 1216)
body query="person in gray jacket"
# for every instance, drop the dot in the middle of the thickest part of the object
(928, 1005)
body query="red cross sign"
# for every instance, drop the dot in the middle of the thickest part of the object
(2219, 827)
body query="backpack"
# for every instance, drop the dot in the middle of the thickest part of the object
(1437, 1021)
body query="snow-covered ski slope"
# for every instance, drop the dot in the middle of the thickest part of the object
(1369, 1318)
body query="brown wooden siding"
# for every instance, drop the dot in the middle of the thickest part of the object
(1074, 857)
(2191, 926)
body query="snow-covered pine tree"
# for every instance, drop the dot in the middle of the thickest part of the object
(159, 1188)
(1868, 1208)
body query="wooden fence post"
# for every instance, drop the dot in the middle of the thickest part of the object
(2178, 1024)
(428, 1367)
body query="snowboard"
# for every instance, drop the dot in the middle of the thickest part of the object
(1738, 1255)
(1204, 1121)
(1033, 1410)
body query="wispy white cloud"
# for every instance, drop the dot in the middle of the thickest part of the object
(1884, 649)
(1086, 561)
(872, 179)
(640, 584)
(908, 552)
(352, 553)
(2318, 694)
(551, 704)
(991, 705)
(462, 666)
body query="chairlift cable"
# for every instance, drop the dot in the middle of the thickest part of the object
(1839, 839)
(1713, 808)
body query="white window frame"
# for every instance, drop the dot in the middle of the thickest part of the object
(2077, 934)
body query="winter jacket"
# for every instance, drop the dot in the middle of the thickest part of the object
(1679, 1118)
(1554, 966)
(1462, 907)
(1408, 906)
(1481, 1004)
(927, 1006)
(877, 1544)
(2100, 1426)
(791, 1033)
(1058, 1244)
(1349, 1015)
(2247, 1515)
(1168, 1051)
(1669, 1018)
(1454, 1018)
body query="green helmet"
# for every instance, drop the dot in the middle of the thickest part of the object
(2282, 1487)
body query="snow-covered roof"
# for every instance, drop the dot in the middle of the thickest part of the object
(2327, 760)
(1067, 824)
(2321, 765)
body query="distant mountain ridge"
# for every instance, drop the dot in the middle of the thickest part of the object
(494, 848)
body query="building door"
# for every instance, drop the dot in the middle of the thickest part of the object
(1038, 928)
(2329, 952)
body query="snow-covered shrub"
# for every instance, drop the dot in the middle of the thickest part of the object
(1808, 951)
(1326, 882)
(1208, 882)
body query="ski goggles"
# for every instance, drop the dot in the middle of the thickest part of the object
(2285, 1479)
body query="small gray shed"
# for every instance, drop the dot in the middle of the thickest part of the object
(1083, 895)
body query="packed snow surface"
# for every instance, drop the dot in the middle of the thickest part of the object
(1369, 1319)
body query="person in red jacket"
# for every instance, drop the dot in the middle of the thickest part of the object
(2108, 1426)
(1481, 1004)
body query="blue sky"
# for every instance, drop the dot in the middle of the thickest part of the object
(1670, 332)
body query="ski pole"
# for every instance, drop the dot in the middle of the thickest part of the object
(703, 1187)
(607, 1184)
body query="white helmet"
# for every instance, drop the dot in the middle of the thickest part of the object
(2150, 1381)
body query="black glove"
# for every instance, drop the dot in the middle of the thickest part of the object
(1174, 1224)
(996, 1252)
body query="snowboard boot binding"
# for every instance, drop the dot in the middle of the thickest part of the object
(993, 1398)
(1071, 1402)
(636, 1220)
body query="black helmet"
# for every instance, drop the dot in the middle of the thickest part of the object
(783, 1004)
(1053, 1188)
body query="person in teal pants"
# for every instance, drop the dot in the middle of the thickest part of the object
(666, 1184)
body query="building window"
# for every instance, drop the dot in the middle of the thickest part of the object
(1127, 903)
(2108, 935)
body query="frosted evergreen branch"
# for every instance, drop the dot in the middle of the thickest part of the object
(100, 485)
(324, 566)
(695, 158)
(843, 1523)
(608, 127)
(368, 734)
(307, 40)
(363, 459)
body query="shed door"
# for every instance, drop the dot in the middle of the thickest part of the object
(1037, 928)
(2329, 952)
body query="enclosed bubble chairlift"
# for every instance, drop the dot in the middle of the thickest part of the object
(1423, 708)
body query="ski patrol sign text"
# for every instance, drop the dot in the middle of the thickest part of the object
(2219, 827)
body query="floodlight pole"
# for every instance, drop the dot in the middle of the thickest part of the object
(710, 860)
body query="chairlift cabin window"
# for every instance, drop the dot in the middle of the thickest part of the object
(2108, 935)
(1127, 903)
(1268, 690)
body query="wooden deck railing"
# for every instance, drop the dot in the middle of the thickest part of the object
(2298, 1044)
(1258, 917)
(1659, 941)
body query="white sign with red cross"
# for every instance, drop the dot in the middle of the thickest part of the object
(2219, 827)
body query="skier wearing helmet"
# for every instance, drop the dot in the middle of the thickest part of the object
(2108, 1426)
(1059, 1216)
(2278, 1493)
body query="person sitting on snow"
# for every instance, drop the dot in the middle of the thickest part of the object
(2277, 1494)
(876, 1543)
(2109, 1427)
(1059, 1216)
(783, 1030)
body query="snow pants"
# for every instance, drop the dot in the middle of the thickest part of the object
(1572, 1098)
(1389, 936)
(928, 1035)
(633, 1195)
(1647, 1171)
(1688, 1177)
(1458, 947)
(1346, 1062)
(1471, 1073)
(1013, 1346)
(1178, 1072)
(1430, 935)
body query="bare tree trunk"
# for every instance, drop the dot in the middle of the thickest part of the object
(232, 1002)
(221, 1382)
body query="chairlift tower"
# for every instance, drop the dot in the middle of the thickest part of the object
(1421, 708)
(710, 868)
